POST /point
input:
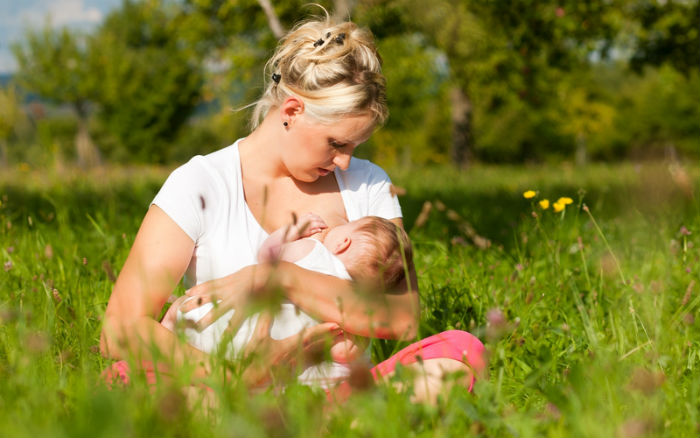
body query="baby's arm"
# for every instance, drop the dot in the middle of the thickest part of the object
(281, 240)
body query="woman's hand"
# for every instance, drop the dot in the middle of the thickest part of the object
(235, 291)
(267, 355)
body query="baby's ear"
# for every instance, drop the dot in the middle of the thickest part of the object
(342, 246)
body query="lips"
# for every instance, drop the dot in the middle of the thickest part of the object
(323, 172)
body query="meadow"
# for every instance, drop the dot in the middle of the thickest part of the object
(589, 314)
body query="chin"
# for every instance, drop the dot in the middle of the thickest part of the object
(306, 178)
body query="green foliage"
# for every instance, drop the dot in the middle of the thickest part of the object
(11, 115)
(657, 114)
(12, 119)
(496, 81)
(415, 87)
(591, 321)
(150, 81)
(668, 33)
(52, 65)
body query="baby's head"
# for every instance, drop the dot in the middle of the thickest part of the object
(372, 248)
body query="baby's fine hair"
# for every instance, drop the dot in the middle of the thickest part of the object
(387, 253)
(333, 67)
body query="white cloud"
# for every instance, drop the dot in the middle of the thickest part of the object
(62, 13)
(65, 12)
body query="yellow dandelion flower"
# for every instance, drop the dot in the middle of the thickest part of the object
(529, 194)
(544, 204)
(558, 206)
(565, 200)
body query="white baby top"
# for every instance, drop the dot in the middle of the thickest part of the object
(287, 322)
(205, 198)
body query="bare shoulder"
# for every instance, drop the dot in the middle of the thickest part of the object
(297, 250)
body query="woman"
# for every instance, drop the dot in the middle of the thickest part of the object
(325, 95)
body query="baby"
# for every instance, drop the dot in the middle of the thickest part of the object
(371, 251)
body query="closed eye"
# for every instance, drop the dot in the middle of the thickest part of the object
(336, 144)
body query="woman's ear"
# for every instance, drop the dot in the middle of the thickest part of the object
(291, 108)
(342, 246)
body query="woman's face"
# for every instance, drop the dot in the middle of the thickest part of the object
(312, 150)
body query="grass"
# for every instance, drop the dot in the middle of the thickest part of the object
(589, 317)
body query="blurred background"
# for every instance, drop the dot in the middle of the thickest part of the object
(95, 82)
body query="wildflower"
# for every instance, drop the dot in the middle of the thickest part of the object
(558, 206)
(565, 200)
(529, 194)
(544, 204)
(496, 324)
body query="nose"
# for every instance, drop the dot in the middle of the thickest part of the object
(342, 160)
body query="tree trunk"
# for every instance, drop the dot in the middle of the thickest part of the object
(462, 129)
(3, 154)
(581, 156)
(272, 20)
(85, 150)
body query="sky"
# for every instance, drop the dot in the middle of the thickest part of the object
(18, 15)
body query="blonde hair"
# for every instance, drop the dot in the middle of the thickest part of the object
(386, 253)
(334, 68)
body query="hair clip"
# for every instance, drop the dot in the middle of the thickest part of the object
(340, 38)
(319, 42)
(276, 77)
(328, 34)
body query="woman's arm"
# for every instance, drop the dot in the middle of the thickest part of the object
(157, 261)
(389, 315)
(372, 314)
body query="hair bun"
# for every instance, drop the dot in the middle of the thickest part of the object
(333, 67)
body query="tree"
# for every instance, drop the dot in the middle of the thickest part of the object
(11, 116)
(150, 78)
(52, 64)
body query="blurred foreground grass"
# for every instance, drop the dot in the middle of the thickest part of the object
(589, 319)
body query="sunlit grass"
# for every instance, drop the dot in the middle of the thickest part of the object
(590, 317)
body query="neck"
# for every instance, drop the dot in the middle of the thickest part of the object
(265, 141)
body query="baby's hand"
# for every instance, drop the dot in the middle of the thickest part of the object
(307, 225)
(347, 348)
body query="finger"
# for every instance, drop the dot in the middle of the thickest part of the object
(261, 333)
(262, 328)
(195, 290)
(205, 288)
(236, 321)
(320, 332)
(318, 220)
(193, 302)
(208, 319)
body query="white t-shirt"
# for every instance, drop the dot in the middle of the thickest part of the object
(205, 198)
